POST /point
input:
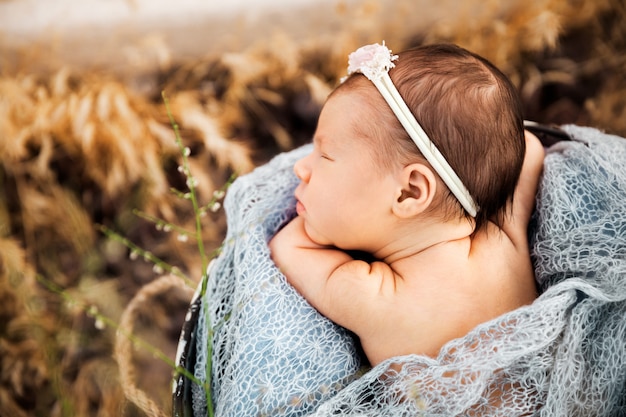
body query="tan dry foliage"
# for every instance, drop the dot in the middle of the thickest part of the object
(96, 123)
(258, 96)
(55, 210)
(229, 154)
(608, 108)
(23, 366)
(505, 32)
(113, 136)
(98, 382)
(74, 148)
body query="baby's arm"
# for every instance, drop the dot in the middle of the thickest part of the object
(524, 198)
(328, 278)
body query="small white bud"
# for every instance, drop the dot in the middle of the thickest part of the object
(192, 182)
(100, 325)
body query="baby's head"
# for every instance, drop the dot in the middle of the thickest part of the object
(469, 110)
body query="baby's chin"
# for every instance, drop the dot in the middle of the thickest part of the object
(322, 239)
(316, 237)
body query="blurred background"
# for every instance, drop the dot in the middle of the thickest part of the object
(86, 143)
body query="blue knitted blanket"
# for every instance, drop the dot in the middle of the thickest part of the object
(274, 355)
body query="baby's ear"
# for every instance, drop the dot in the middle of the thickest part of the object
(416, 189)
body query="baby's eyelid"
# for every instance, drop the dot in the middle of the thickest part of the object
(323, 155)
(319, 148)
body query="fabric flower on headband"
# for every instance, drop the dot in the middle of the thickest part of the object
(372, 61)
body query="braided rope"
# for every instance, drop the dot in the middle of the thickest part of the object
(123, 352)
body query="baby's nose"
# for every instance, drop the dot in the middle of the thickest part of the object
(301, 169)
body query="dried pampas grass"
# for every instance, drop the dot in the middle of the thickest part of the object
(506, 32)
(24, 369)
(77, 150)
(262, 96)
(83, 133)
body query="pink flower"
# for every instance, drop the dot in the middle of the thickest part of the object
(371, 60)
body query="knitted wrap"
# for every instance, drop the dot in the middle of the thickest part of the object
(563, 355)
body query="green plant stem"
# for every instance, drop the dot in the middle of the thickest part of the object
(190, 184)
(200, 242)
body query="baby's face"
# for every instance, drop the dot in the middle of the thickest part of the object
(342, 197)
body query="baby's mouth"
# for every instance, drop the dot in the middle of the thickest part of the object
(300, 208)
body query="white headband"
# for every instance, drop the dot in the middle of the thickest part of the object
(375, 61)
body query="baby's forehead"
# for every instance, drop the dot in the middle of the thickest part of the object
(366, 97)
(355, 113)
(364, 118)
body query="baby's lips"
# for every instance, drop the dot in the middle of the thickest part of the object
(296, 194)
(300, 208)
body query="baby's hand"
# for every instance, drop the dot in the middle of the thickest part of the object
(290, 248)
(306, 264)
(515, 225)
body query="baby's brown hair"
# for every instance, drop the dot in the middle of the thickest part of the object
(471, 112)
